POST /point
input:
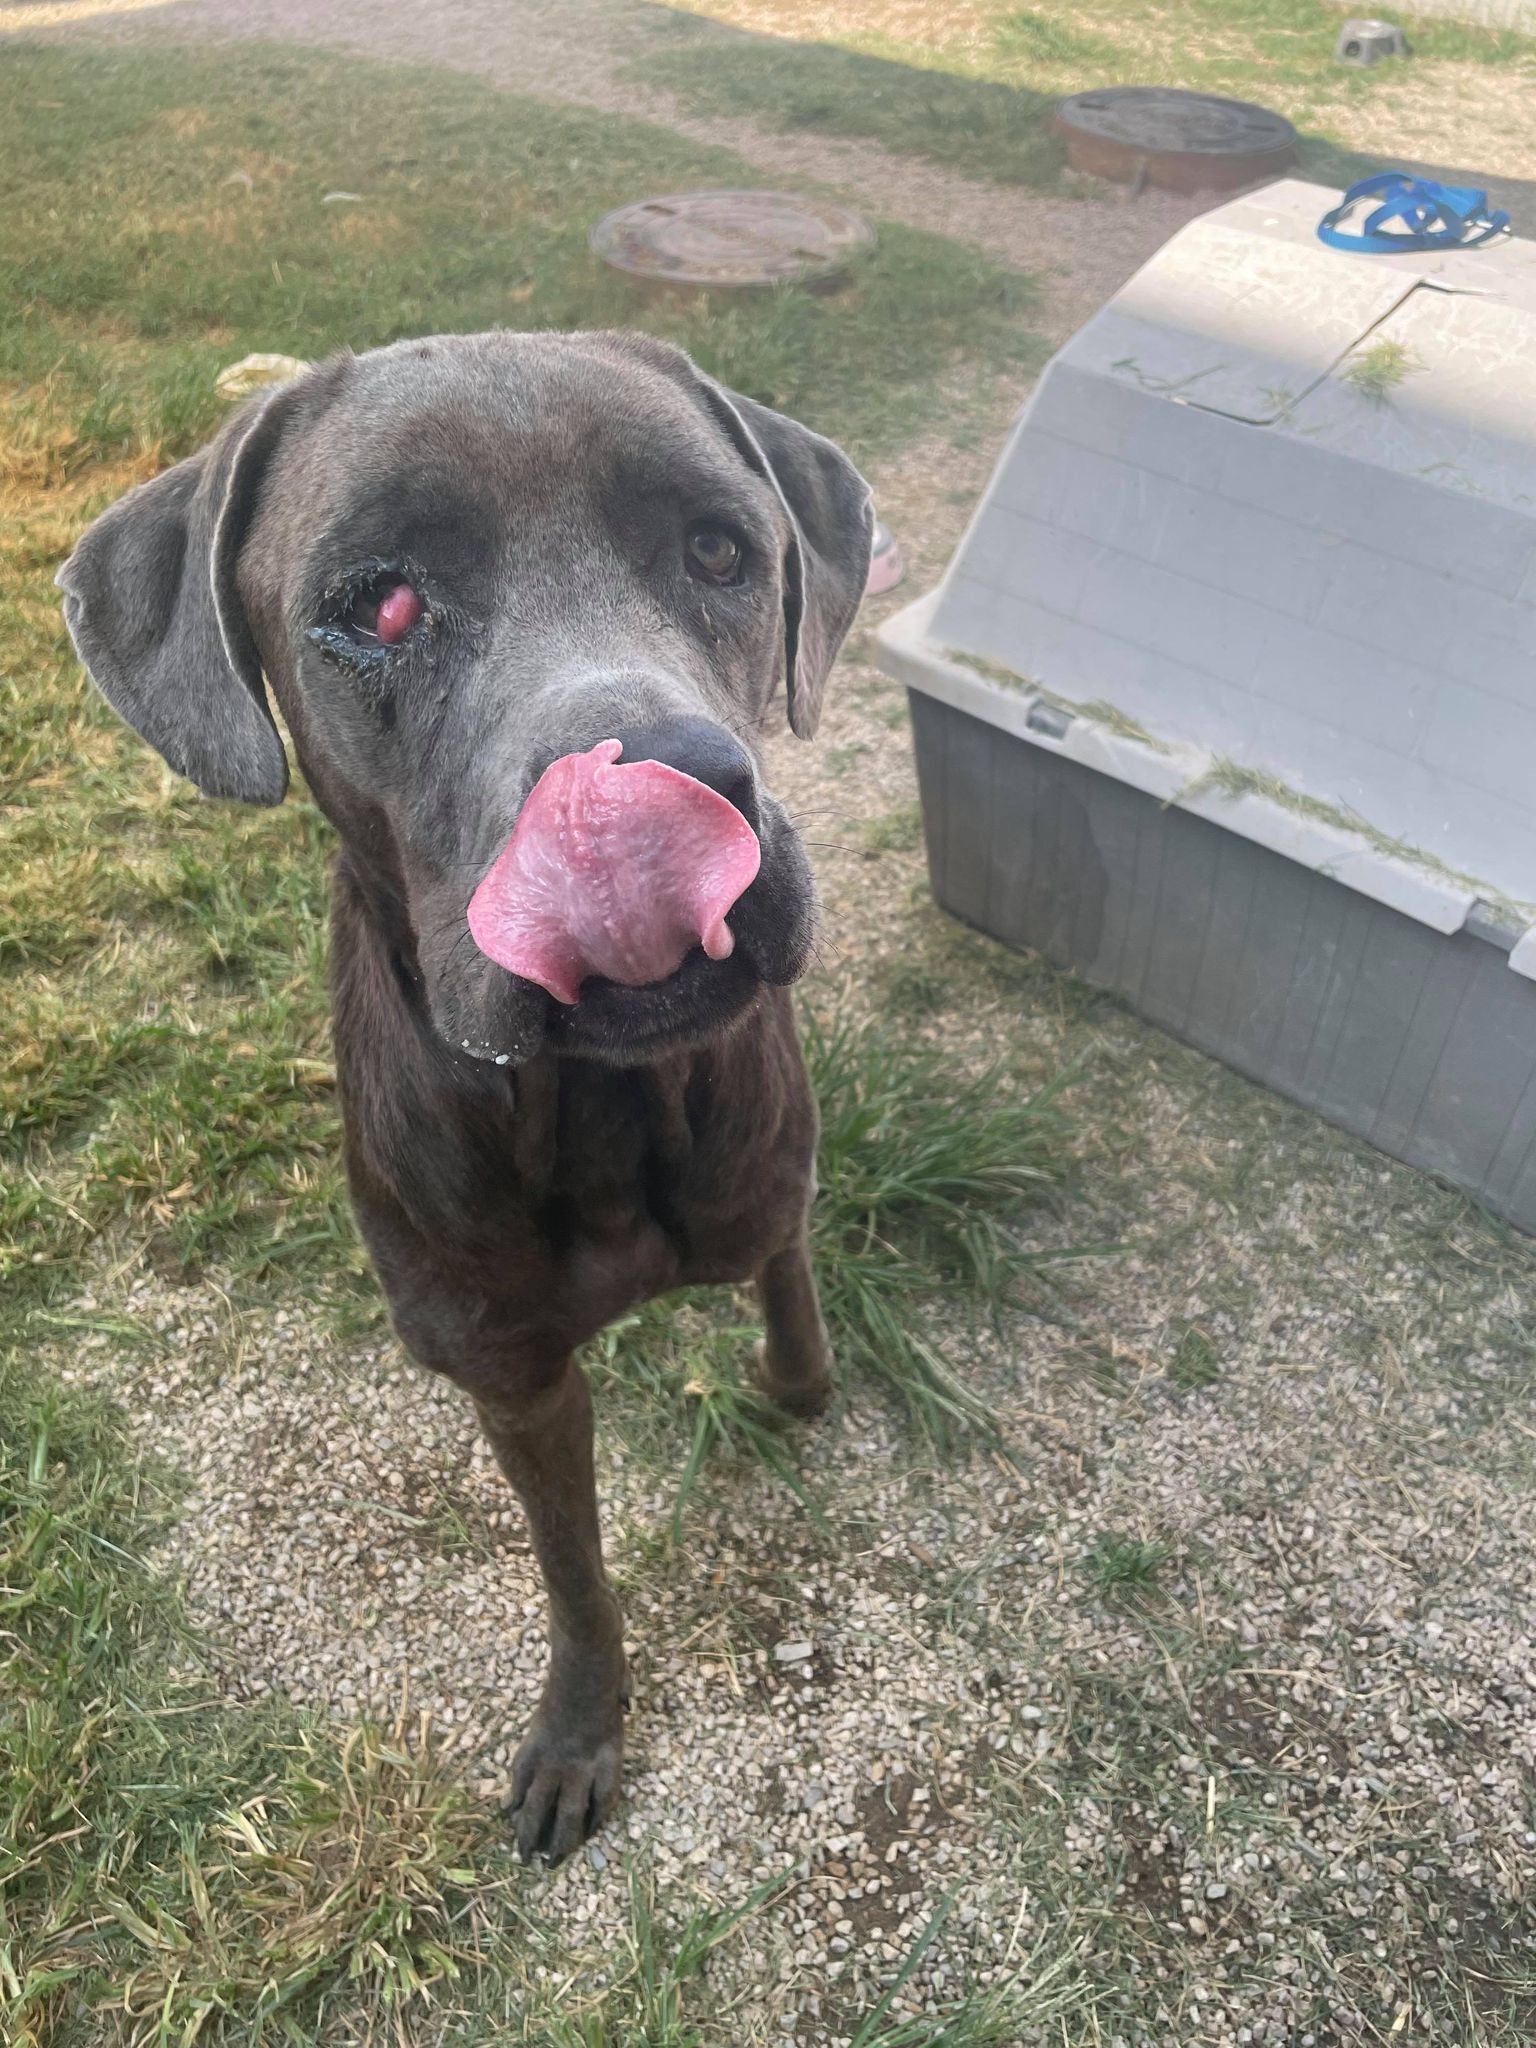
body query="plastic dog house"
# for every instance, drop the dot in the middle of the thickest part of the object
(1228, 697)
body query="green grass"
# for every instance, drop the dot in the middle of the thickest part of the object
(1126, 1564)
(1096, 709)
(680, 1364)
(1191, 1759)
(1233, 779)
(133, 267)
(1376, 371)
(925, 1174)
(972, 125)
(1194, 1363)
(178, 1867)
(167, 1070)
(166, 1095)
(660, 2001)
(1047, 1990)
(175, 1865)
(659, 1994)
(976, 95)
(897, 831)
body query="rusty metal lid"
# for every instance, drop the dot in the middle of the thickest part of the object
(730, 239)
(1183, 141)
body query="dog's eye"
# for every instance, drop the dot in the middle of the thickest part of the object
(714, 553)
(382, 614)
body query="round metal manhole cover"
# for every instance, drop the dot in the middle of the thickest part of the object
(1183, 141)
(731, 239)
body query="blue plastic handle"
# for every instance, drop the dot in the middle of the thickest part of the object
(1433, 216)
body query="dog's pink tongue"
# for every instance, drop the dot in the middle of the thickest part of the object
(614, 868)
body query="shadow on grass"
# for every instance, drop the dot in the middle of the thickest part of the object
(976, 126)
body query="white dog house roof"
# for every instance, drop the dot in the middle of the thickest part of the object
(1275, 507)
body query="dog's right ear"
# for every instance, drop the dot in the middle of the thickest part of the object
(152, 607)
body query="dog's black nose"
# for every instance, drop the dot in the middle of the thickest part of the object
(701, 749)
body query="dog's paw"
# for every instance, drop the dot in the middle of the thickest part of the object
(803, 1394)
(565, 1781)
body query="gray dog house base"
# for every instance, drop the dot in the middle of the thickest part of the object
(1228, 698)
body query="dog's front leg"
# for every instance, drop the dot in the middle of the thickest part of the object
(794, 1365)
(566, 1773)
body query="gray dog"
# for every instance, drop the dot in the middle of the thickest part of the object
(526, 603)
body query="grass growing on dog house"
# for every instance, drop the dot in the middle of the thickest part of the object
(1375, 372)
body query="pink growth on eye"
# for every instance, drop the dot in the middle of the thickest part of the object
(397, 614)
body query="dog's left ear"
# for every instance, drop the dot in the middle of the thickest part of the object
(832, 527)
(151, 603)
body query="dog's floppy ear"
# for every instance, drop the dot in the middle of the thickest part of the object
(151, 605)
(831, 531)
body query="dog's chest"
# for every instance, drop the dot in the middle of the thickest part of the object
(651, 1186)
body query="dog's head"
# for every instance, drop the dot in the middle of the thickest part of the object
(456, 562)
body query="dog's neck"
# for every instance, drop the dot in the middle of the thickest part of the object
(376, 893)
(635, 1179)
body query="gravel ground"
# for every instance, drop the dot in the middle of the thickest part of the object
(1296, 1764)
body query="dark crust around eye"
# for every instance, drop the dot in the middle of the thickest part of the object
(344, 589)
(331, 633)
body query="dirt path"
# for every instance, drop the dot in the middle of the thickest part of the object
(1080, 250)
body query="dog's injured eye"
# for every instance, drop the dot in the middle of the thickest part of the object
(383, 613)
(367, 613)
